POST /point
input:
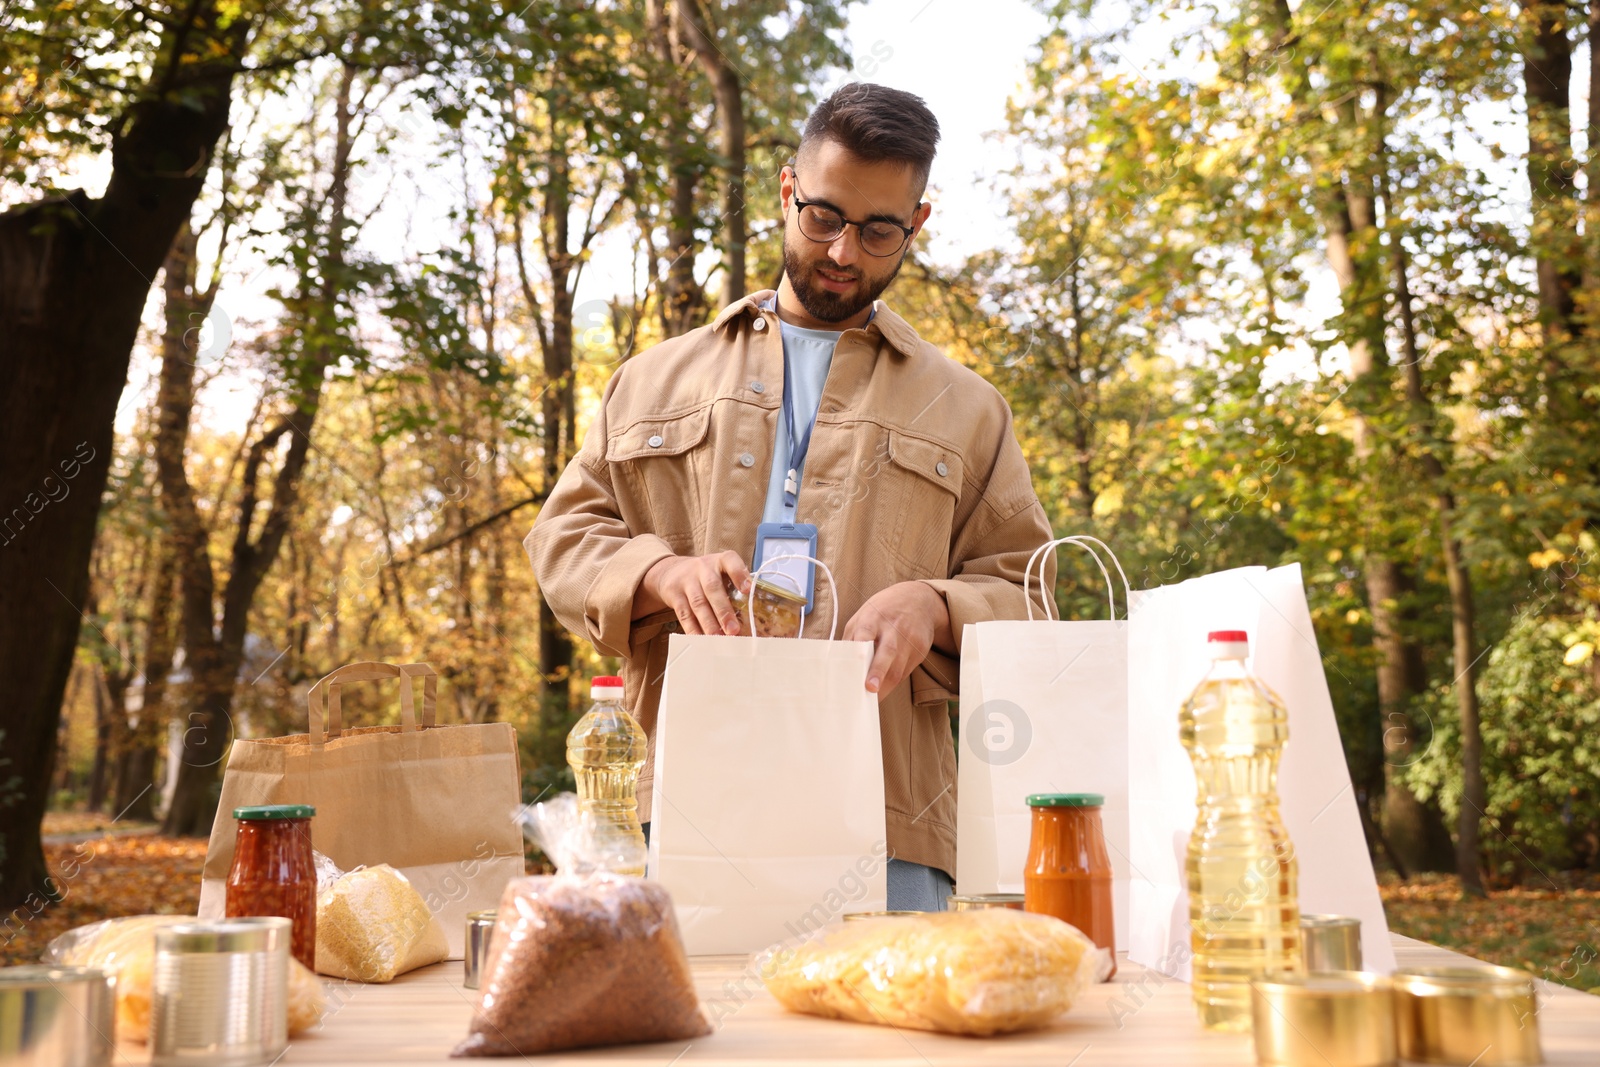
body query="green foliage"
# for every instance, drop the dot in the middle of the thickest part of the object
(1541, 738)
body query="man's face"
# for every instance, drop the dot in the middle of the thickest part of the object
(837, 280)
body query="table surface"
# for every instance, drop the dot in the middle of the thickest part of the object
(1138, 1018)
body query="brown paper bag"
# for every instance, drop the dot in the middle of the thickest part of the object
(434, 802)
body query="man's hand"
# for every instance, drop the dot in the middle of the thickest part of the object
(695, 588)
(903, 622)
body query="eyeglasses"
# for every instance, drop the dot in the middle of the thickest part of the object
(820, 223)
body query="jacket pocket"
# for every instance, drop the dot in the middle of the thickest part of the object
(926, 479)
(663, 465)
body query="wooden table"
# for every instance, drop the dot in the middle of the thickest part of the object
(1138, 1019)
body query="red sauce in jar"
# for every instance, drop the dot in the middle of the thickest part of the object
(1068, 872)
(273, 873)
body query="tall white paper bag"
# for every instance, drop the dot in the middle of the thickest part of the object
(1166, 658)
(767, 812)
(1044, 709)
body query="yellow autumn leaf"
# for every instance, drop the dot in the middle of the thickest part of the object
(1579, 654)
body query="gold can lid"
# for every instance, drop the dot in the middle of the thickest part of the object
(1485, 980)
(853, 916)
(779, 591)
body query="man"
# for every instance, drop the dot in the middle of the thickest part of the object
(815, 405)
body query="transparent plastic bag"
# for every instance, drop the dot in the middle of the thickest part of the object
(127, 948)
(581, 958)
(372, 924)
(963, 972)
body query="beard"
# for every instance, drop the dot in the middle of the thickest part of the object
(819, 302)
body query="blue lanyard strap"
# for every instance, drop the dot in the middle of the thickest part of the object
(798, 446)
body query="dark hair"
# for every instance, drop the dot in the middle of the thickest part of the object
(876, 124)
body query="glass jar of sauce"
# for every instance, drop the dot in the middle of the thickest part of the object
(1068, 872)
(273, 872)
(779, 612)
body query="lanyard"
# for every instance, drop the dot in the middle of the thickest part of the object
(798, 446)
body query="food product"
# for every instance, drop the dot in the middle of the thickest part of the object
(127, 948)
(373, 925)
(979, 972)
(1068, 871)
(1244, 908)
(273, 873)
(606, 749)
(779, 612)
(583, 961)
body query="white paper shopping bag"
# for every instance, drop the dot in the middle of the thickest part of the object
(1166, 658)
(1044, 709)
(767, 818)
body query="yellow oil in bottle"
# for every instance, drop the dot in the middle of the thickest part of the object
(1243, 891)
(606, 749)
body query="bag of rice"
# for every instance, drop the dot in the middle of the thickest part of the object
(960, 972)
(127, 948)
(373, 925)
(582, 958)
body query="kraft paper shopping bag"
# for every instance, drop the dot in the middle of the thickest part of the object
(1044, 709)
(436, 802)
(767, 816)
(1166, 658)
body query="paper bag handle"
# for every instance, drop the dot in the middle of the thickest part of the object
(1079, 541)
(750, 606)
(328, 689)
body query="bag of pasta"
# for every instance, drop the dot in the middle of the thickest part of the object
(980, 972)
(126, 948)
(583, 958)
(372, 924)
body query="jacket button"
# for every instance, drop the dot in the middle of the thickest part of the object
(942, 469)
(759, 324)
(757, 387)
(655, 442)
(747, 460)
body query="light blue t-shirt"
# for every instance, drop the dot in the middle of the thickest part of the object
(809, 354)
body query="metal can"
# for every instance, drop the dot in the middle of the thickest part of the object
(979, 901)
(57, 1017)
(857, 916)
(480, 927)
(1333, 1019)
(1487, 1016)
(219, 993)
(1330, 943)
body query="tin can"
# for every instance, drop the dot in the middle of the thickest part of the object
(1486, 1016)
(219, 993)
(57, 1017)
(979, 901)
(1330, 943)
(480, 927)
(1333, 1019)
(856, 916)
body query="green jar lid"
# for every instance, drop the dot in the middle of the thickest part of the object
(1066, 800)
(276, 811)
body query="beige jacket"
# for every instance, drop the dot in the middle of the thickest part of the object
(913, 473)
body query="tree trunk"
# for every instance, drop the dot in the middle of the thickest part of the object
(1463, 623)
(74, 273)
(695, 30)
(681, 295)
(1547, 78)
(215, 647)
(103, 711)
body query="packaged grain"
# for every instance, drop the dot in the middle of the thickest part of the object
(961, 972)
(373, 925)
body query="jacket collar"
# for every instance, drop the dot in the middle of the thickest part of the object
(891, 327)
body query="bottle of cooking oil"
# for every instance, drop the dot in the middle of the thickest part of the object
(1243, 897)
(605, 750)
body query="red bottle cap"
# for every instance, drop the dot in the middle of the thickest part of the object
(608, 681)
(1227, 635)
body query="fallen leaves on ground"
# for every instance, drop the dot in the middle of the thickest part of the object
(103, 878)
(1551, 931)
